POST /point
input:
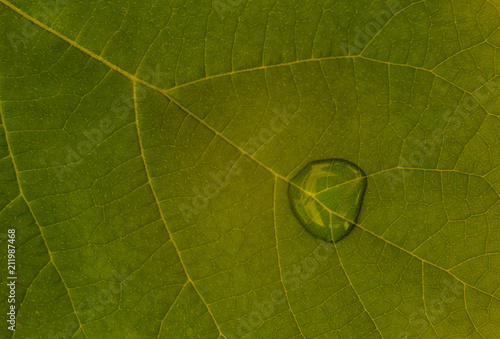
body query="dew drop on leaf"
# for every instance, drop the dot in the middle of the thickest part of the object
(326, 197)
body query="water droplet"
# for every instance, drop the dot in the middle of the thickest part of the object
(326, 197)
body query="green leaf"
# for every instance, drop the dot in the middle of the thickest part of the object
(147, 147)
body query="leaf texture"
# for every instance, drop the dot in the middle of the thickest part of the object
(147, 148)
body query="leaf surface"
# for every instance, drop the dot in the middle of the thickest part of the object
(147, 149)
